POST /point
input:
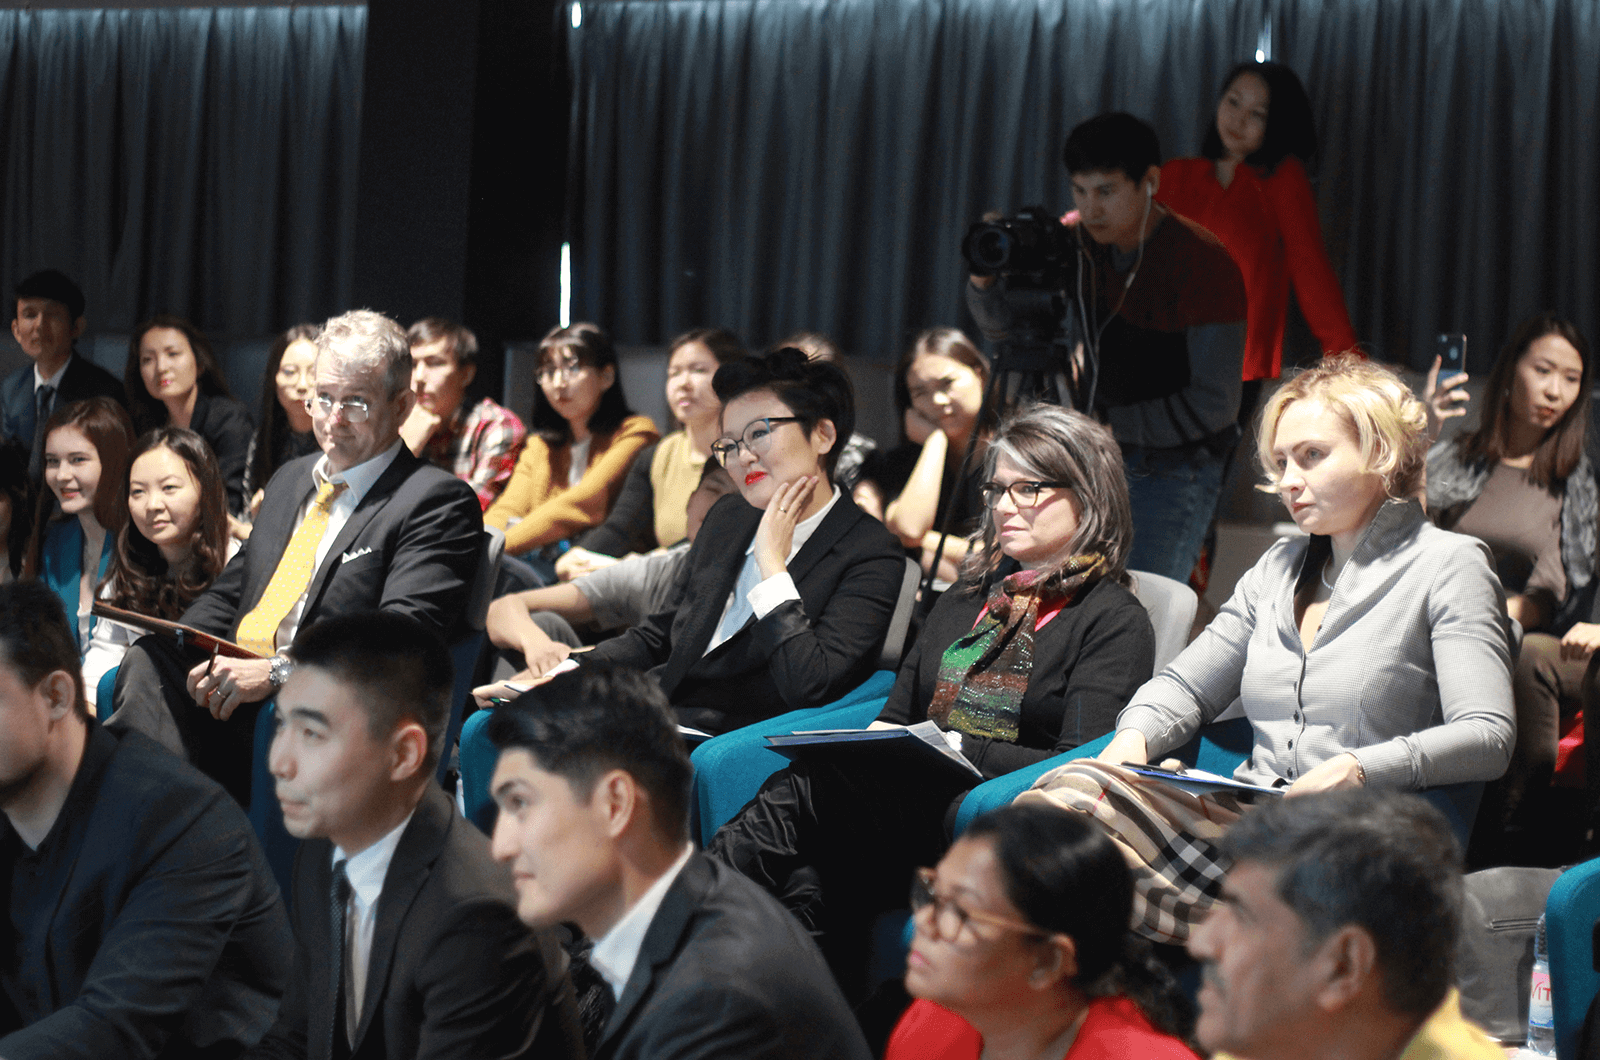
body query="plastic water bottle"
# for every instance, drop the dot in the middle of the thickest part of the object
(1541, 1018)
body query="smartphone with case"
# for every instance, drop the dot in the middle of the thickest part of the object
(1452, 350)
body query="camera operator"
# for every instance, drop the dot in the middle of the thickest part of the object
(1155, 320)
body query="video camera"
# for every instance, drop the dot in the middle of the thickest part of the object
(1039, 259)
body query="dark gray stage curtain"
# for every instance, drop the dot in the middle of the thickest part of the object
(193, 161)
(814, 163)
(1460, 183)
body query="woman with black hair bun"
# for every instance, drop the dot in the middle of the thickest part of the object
(1251, 191)
(789, 587)
(1022, 950)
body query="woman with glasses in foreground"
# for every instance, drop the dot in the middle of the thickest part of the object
(1033, 653)
(789, 587)
(582, 437)
(1022, 950)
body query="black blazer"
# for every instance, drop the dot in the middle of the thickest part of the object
(806, 653)
(452, 973)
(82, 379)
(165, 935)
(411, 547)
(225, 425)
(725, 971)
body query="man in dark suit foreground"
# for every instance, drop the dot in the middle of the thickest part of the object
(365, 526)
(407, 937)
(593, 790)
(141, 918)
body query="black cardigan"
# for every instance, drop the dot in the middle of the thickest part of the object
(1087, 662)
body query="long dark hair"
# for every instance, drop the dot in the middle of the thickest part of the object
(1065, 876)
(273, 422)
(1557, 455)
(1291, 130)
(592, 348)
(148, 411)
(16, 487)
(138, 576)
(108, 428)
(943, 342)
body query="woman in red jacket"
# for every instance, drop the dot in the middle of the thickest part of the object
(1250, 189)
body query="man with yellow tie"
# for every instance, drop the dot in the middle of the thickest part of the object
(364, 526)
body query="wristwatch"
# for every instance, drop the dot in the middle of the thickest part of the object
(281, 669)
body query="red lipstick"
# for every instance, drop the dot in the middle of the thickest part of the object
(753, 477)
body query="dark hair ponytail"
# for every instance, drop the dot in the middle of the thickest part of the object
(1065, 876)
(813, 390)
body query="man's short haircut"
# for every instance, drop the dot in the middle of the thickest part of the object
(462, 342)
(36, 640)
(1388, 419)
(597, 718)
(398, 667)
(1383, 861)
(54, 285)
(1112, 141)
(369, 341)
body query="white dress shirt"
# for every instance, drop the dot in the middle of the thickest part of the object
(358, 482)
(366, 871)
(616, 952)
(55, 380)
(770, 592)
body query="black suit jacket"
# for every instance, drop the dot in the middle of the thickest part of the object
(82, 379)
(725, 971)
(165, 935)
(452, 972)
(805, 653)
(411, 547)
(225, 425)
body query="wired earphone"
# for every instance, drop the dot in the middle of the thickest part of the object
(1093, 345)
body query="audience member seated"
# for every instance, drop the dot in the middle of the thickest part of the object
(86, 444)
(789, 587)
(173, 379)
(535, 627)
(1522, 483)
(16, 507)
(593, 790)
(856, 449)
(1022, 950)
(938, 389)
(649, 514)
(142, 920)
(1374, 651)
(283, 423)
(1164, 336)
(582, 439)
(1032, 654)
(477, 445)
(1335, 935)
(172, 547)
(364, 526)
(48, 320)
(433, 961)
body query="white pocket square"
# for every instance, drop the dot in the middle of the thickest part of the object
(355, 554)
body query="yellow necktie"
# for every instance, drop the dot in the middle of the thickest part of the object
(259, 629)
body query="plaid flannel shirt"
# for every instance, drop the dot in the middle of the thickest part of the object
(479, 447)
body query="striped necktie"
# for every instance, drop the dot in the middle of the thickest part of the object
(259, 629)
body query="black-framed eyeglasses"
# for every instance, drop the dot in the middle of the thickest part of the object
(1024, 493)
(354, 410)
(950, 916)
(757, 438)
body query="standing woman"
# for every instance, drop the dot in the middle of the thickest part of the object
(651, 513)
(1250, 189)
(172, 378)
(1523, 485)
(86, 444)
(283, 426)
(582, 438)
(172, 547)
(938, 387)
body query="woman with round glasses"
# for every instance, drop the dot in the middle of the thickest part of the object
(789, 587)
(1031, 654)
(582, 438)
(1022, 950)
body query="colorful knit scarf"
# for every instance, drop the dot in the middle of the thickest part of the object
(983, 675)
